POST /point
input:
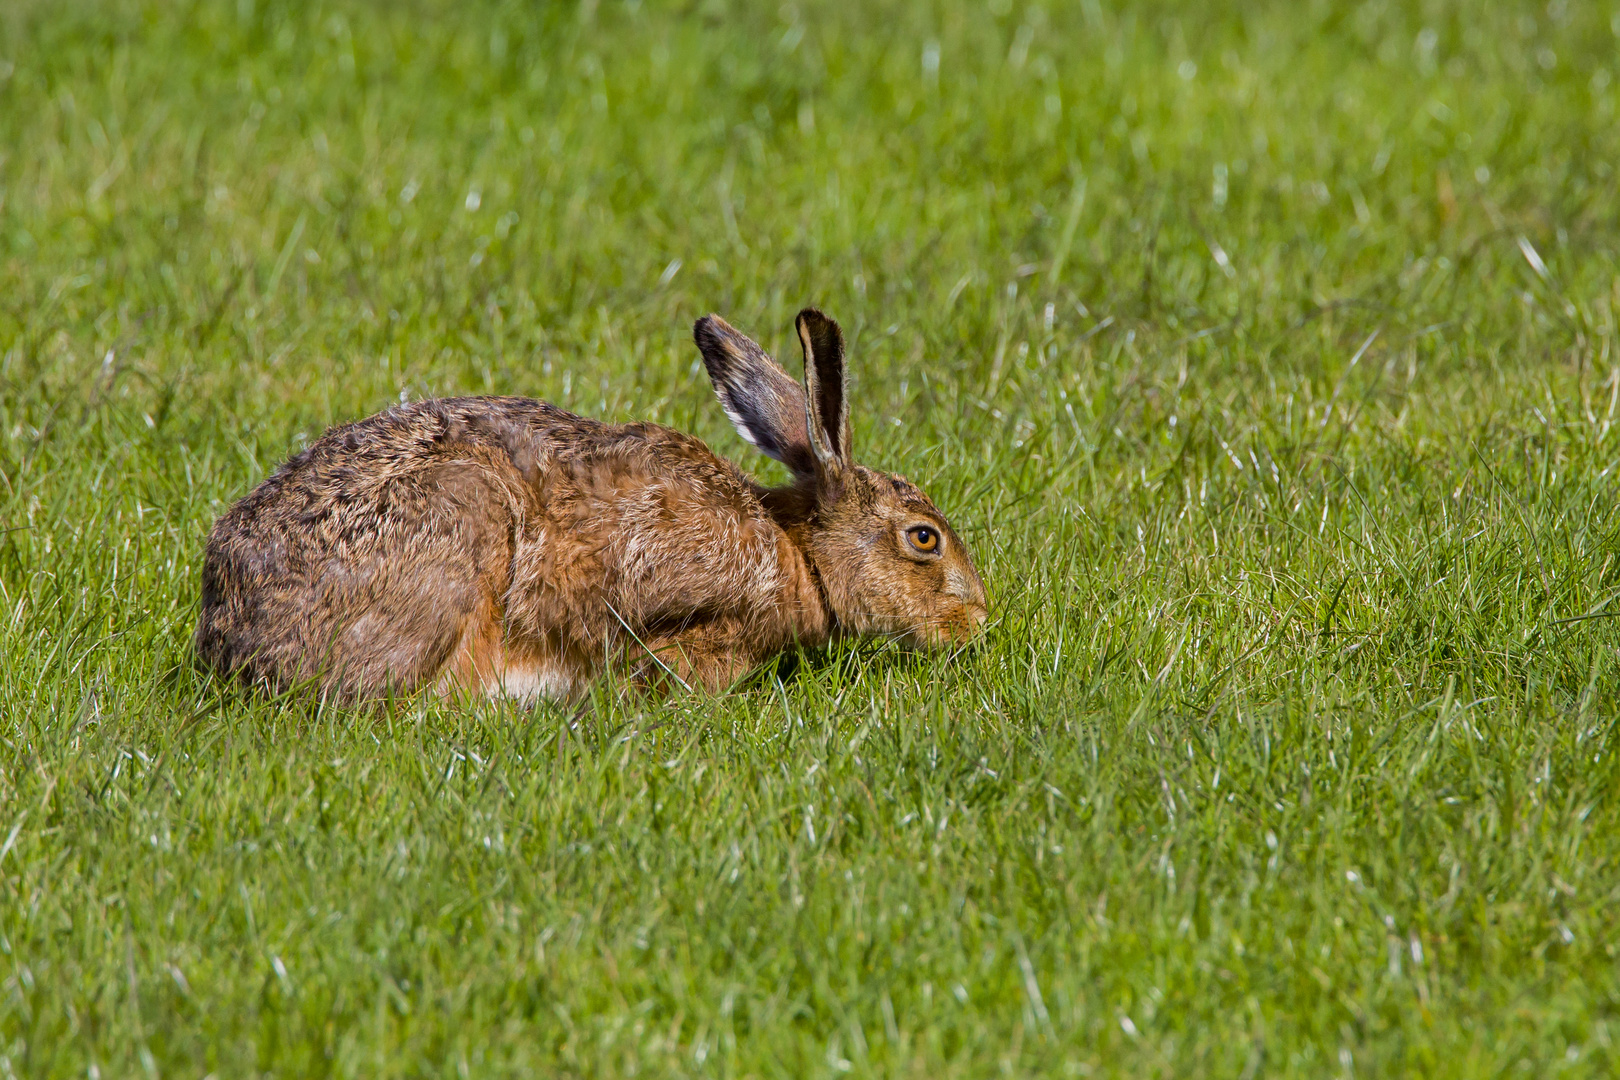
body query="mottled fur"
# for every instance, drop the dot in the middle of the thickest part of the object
(503, 545)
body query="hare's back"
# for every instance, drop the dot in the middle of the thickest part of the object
(393, 479)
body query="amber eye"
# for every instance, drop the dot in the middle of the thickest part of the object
(923, 538)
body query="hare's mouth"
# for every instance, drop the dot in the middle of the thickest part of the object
(945, 632)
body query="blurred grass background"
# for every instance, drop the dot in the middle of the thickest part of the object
(1266, 355)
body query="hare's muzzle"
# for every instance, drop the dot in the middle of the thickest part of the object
(962, 626)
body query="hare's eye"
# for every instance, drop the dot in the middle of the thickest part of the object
(923, 538)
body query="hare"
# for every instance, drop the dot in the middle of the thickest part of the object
(501, 545)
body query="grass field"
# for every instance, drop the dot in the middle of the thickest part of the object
(1268, 360)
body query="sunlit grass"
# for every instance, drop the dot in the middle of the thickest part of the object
(1267, 359)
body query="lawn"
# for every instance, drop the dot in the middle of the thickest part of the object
(1267, 358)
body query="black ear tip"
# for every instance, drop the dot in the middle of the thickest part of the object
(817, 324)
(813, 316)
(709, 329)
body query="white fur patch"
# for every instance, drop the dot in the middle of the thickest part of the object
(529, 684)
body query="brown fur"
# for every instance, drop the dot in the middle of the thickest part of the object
(503, 545)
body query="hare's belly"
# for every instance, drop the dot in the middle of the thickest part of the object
(532, 681)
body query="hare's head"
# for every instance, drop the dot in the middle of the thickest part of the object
(888, 560)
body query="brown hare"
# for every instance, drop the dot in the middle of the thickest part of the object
(503, 546)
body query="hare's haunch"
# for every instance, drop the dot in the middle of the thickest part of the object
(503, 545)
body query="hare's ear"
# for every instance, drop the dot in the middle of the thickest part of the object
(764, 403)
(826, 397)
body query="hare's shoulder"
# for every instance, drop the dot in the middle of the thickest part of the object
(645, 526)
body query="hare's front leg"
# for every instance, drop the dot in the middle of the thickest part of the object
(712, 655)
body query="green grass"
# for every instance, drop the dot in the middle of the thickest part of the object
(1268, 360)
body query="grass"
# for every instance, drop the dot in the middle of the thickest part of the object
(1267, 358)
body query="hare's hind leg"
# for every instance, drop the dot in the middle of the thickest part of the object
(475, 663)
